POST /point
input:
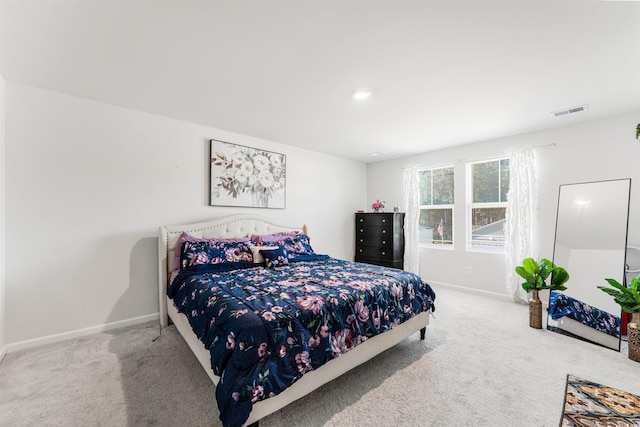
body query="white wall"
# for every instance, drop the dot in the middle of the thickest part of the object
(596, 150)
(87, 186)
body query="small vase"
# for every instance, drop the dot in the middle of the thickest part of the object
(633, 334)
(376, 210)
(535, 311)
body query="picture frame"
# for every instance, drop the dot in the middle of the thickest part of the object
(246, 177)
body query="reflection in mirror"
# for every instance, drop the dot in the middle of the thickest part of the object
(590, 243)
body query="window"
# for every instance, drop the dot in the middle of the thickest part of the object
(489, 188)
(436, 206)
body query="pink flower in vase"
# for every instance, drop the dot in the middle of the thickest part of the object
(377, 205)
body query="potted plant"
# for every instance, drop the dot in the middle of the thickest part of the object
(629, 301)
(535, 275)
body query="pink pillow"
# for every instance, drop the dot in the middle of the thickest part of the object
(186, 237)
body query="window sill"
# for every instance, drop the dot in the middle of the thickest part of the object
(436, 247)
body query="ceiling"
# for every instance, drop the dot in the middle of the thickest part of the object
(441, 73)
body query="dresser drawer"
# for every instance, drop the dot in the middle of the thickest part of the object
(376, 220)
(368, 239)
(373, 252)
(395, 263)
(374, 233)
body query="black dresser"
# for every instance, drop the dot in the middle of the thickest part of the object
(380, 239)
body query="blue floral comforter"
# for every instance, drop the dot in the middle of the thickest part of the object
(266, 327)
(561, 305)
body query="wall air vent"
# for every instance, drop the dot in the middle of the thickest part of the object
(570, 110)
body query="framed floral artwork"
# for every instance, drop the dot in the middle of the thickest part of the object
(247, 177)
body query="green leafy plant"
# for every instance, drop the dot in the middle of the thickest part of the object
(627, 298)
(638, 131)
(535, 275)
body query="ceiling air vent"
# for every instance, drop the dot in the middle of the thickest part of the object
(570, 110)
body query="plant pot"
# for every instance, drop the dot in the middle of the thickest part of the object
(633, 334)
(535, 311)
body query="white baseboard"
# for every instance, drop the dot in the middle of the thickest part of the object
(3, 352)
(36, 342)
(504, 297)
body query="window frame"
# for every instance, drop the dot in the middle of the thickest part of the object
(448, 206)
(471, 245)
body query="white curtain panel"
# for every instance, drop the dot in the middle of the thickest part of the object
(411, 218)
(521, 221)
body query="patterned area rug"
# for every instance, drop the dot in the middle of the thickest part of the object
(587, 404)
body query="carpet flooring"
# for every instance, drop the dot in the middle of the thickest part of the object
(589, 404)
(480, 365)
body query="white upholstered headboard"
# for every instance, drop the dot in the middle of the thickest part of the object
(239, 225)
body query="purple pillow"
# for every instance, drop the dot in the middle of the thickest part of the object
(273, 238)
(186, 237)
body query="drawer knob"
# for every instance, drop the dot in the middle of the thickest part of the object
(384, 231)
(360, 250)
(361, 219)
(361, 230)
(361, 240)
(384, 253)
(384, 220)
(384, 242)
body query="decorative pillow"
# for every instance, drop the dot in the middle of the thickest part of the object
(186, 237)
(298, 245)
(295, 243)
(257, 256)
(275, 257)
(217, 252)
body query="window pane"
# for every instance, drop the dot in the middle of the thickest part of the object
(488, 226)
(425, 187)
(504, 179)
(443, 186)
(486, 186)
(431, 232)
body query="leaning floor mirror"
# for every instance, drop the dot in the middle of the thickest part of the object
(590, 243)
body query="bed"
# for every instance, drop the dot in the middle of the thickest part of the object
(583, 321)
(329, 353)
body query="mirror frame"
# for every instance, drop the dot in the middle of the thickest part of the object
(622, 275)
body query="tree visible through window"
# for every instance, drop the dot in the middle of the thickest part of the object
(436, 206)
(489, 188)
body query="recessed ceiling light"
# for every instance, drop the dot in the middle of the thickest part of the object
(376, 154)
(360, 94)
